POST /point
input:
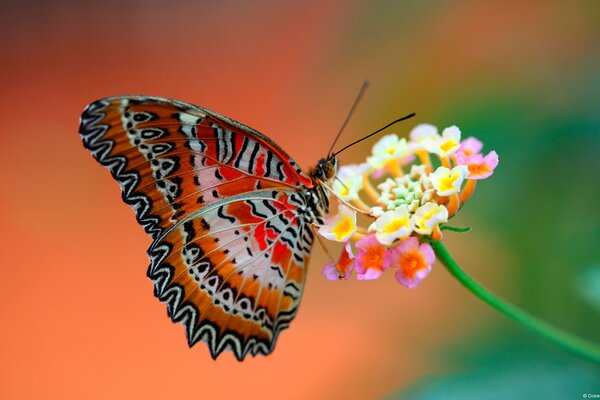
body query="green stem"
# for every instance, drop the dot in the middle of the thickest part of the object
(579, 346)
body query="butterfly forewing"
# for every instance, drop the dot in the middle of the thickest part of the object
(171, 157)
(222, 203)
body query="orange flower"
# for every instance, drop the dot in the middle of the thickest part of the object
(371, 259)
(413, 261)
(480, 167)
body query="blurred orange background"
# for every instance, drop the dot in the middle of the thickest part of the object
(79, 319)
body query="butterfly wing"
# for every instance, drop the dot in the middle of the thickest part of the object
(233, 272)
(222, 204)
(171, 158)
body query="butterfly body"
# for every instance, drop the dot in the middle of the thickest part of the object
(230, 214)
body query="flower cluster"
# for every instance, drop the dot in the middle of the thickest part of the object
(408, 190)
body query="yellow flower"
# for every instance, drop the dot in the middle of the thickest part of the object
(448, 181)
(349, 181)
(392, 225)
(428, 216)
(341, 226)
(424, 137)
(387, 149)
(449, 142)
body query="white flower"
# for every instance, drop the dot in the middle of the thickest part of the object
(449, 142)
(388, 148)
(392, 225)
(424, 137)
(428, 216)
(341, 226)
(349, 181)
(448, 181)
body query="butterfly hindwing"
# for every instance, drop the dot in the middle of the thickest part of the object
(233, 272)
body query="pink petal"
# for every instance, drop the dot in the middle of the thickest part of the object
(330, 273)
(428, 253)
(414, 282)
(367, 241)
(408, 244)
(359, 265)
(406, 160)
(378, 173)
(365, 245)
(393, 255)
(492, 160)
(387, 261)
(370, 274)
(464, 159)
(471, 145)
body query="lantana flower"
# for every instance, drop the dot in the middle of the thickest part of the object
(371, 259)
(448, 143)
(408, 202)
(424, 137)
(479, 167)
(341, 226)
(428, 216)
(388, 148)
(448, 181)
(470, 146)
(392, 225)
(350, 181)
(413, 261)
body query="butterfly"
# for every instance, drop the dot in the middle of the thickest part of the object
(230, 214)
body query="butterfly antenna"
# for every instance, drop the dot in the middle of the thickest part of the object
(361, 92)
(376, 132)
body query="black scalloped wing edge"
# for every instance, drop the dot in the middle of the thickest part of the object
(92, 133)
(187, 314)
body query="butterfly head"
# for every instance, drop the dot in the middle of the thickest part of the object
(325, 169)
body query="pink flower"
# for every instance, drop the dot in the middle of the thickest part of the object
(378, 173)
(480, 167)
(371, 259)
(470, 146)
(414, 261)
(343, 267)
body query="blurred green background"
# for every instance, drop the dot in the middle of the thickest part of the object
(522, 76)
